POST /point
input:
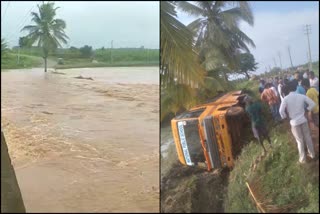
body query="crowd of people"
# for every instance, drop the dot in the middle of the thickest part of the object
(290, 96)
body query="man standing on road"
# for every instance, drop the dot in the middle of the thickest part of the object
(294, 103)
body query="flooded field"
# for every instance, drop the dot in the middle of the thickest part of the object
(81, 145)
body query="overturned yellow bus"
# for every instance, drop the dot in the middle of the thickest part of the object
(211, 133)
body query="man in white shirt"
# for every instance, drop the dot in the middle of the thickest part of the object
(314, 81)
(294, 103)
(306, 74)
(280, 85)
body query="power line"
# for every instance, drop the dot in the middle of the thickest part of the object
(308, 32)
(5, 11)
(290, 56)
(21, 23)
(279, 54)
(274, 61)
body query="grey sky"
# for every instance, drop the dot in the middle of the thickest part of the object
(128, 24)
(278, 25)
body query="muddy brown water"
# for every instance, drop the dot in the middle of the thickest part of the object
(82, 145)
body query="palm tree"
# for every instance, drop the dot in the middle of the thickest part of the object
(179, 61)
(48, 32)
(216, 29)
(180, 69)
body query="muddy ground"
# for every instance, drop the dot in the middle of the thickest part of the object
(193, 190)
(80, 145)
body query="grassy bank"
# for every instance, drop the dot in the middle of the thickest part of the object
(117, 57)
(283, 181)
(86, 63)
(10, 61)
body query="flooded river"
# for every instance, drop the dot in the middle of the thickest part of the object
(81, 145)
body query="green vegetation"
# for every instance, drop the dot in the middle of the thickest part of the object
(10, 61)
(282, 179)
(74, 58)
(86, 57)
(315, 67)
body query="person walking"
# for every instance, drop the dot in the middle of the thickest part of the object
(258, 125)
(294, 103)
(270, 97)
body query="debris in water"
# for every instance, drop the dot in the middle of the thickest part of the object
(81, 77)
(56, 72)
(46, 112)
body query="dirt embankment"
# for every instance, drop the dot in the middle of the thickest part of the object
(193, 190)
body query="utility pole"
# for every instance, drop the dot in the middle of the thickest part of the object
(111, 51)
(19, 55)
(274, 61)
(280, 59)
(290, 56)
(308, 32)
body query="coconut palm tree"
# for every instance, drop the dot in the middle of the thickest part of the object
(217, 32)
(48, 32)
(179, 61)
(180, 69)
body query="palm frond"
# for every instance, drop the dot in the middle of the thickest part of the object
(178, 57)
(190, 8)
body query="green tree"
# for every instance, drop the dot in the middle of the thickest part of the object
(4, 49)
(179, 60)
(246, 64)
(24, 42)
(86, 51)
(217, 32)
(4, 46)
(48, 32)
(180, 69)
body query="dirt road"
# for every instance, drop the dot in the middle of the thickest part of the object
(82, 145)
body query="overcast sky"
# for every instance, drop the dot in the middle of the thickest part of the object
(128, 24)
(278, 25)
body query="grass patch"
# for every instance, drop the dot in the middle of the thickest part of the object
(9, 61)
(86, 63)
(282, 179)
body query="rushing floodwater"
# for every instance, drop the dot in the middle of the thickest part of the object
(84, 145)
